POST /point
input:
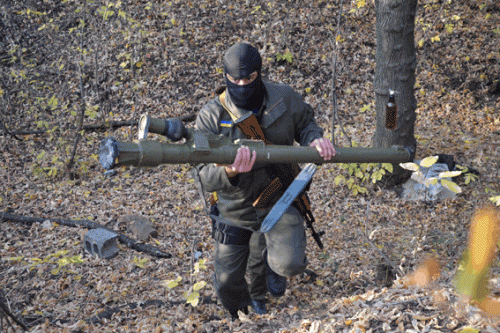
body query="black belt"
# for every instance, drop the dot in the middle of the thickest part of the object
(227, 234)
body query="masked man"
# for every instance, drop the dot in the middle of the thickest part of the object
(284, 118)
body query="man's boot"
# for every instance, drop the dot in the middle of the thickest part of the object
(276, 284)
(259, 306)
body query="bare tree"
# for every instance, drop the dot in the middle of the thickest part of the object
(396, 61)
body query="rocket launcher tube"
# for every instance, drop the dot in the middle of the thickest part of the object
(211, 148)
(172, 128)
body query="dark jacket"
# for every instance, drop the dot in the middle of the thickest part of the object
(284, 118)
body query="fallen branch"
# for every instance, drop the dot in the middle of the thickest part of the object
(109, 312)
(104, 126)
(5, 310)
(116, 124)
(9, 132)
(107, 125)
(148, 249)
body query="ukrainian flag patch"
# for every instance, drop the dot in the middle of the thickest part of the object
(226, 123)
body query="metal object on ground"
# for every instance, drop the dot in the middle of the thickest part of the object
(291, 193)
(101, 242)
(139, 226)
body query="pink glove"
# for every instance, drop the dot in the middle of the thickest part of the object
(324, 147)
(243, 162)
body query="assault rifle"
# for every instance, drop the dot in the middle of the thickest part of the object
(201, 147)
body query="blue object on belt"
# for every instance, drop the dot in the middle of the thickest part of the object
(292, 192)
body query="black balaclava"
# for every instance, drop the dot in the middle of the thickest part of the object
(240, 61)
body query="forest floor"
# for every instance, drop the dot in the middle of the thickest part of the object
(114, 61)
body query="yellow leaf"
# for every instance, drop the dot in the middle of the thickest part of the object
(450, 174)
(192, 298)
(452, 186)
(140, 262)
(199, 285)
(495, 200)
(469, 330)
(14, 258)
(409, 166)
(172, 283)
(430, 181)
(484, 234)
(429, 161)
(388, 167)
(365, 108)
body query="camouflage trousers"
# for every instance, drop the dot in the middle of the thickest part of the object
(285, 244)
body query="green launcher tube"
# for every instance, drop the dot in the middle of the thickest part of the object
(203, 148)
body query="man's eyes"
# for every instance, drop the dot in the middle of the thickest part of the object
(251, 77)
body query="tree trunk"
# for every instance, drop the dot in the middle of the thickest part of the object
(396, 61)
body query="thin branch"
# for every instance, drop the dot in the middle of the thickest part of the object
(304, 41)
(104, 126)
(382, 254)
(4, 127)
(9, 132)
(82, 111)
(4, 309)
(396, 268)
(335, 115)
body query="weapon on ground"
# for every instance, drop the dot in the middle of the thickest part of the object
(211, 148)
